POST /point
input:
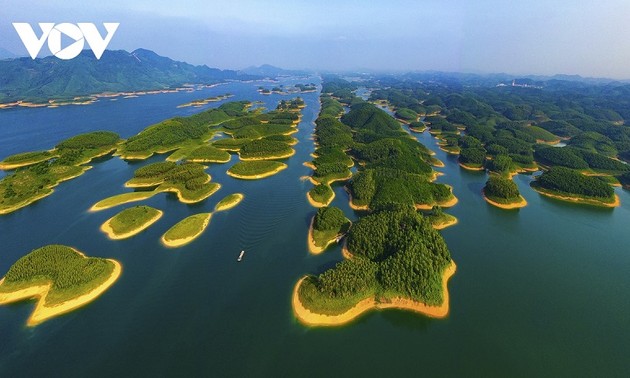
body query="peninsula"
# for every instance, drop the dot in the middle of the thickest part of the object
(61, 278)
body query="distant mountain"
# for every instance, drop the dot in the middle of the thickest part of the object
(117, 71)
(6, 54)
(267, 70)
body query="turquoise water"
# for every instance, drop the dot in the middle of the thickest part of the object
(541, 291)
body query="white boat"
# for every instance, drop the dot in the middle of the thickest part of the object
(240, 257)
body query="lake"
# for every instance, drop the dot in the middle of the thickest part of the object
(541, 291)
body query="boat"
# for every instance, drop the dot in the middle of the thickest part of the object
(240, 257)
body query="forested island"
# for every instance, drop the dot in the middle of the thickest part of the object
(395, 257)
(327, 226)
(509, 130)
(568, 185)
(502, 192)
(37, 173)
(186, 230)
(61, 278)
(254, 135)
(130, 222)
(398, 261)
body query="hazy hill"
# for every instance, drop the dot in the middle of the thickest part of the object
(45, 78)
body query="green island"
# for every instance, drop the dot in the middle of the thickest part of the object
(327, 226)
(120, 199)
(61, 278)
(394, 256)
(257, 169)
(175, 133)
(320, 195)
(624, 180)
(205, 101)
(568, 185)
(265, 149)
(130, 222)
(502, 192)
(208, 154)
(186, 230)
(26, 158)
(439, 219)
(229, 202)
(508, 130)
(397, 261)
(39, 172)
(254, 134)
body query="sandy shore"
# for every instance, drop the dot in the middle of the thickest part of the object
(142, 184)
(107, 228)
(268, 157)
(43, 312)
(180, 197)
(451, 222)
(310, 165)
(450, 203)
(256, 177)
(124, 198)
(470, 168)
(319, 204)
(437, 163)
(312, 248)
(449, 152)
(307, 317)
(352, 205)
(238, 198)
(25, 203)
(174, 243)
(578, 200)
(507, 206)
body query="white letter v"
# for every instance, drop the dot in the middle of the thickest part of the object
(29, 39)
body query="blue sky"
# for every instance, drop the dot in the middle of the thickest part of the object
(529, 37)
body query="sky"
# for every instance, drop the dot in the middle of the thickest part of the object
(545, 37)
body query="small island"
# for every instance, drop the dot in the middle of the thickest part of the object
(568, 185)
(130, 222)
(186, 230)
(25, 159)
(61, 278)
(502, 192)
(388, 269)
(229, 202)
(327, 226)
(265, 149)
(439, 219)
(254, 170)
(208, 154)
(320, 195)
(121, 199)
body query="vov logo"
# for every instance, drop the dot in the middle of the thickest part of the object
(80, 33)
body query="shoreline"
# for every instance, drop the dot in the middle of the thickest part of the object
(312, 248)
(239, 197)
(451, 222)
(469, 168)
(109, 231)
(578, 200)
(309, 318)
(42, 312)
(287, 155)
(506, 206)
(352, 205)
(174, 243)
(318, 204)
(136, 198)
(256, 177)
